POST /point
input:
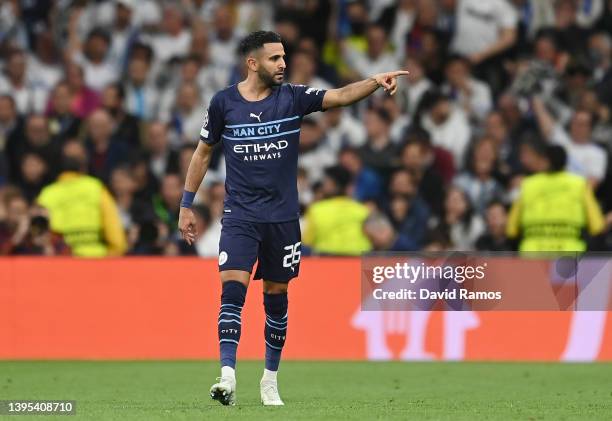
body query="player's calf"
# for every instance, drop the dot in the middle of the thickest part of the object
(229, 326)
(275, 334)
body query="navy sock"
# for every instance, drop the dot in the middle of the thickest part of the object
(276, 328)
(229, 323)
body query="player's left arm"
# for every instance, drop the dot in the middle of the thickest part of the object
(354, 92)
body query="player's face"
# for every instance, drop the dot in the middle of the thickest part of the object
(271, 64)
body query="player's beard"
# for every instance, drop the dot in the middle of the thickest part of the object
(268, 78)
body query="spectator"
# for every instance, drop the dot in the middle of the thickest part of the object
(126, 125)
(418, 156)
(132, 210)
(410, 93)
(83, 99)
(44, 67)
(484, 31)
(600, 52)
(586, 158)
(184, 158)
(472, 95)
(11, 131)
(569, 34)
(141, 96)
(163, 159)
(376, 58)
(37, 140)
(191, 72)
(383, 237)
(82, 209)
(494, 239)
(224, 38)
(368, 185)
(149, 238)
(26, 232)
(174, 40)
(495, 128)
(187, 116)
(447, 125)
(124, 32)
(28, 97)
(146, 183)
(479, 180)
(334, 224)
(426, 44)
(461, 223)
(63, 123)
(342, 129)
(35, 174)
(166, 203)
(602, 122)
(104, 151)
(303, 68)
(407, 211)
(315, 154)
(93, 57)
(379, 153)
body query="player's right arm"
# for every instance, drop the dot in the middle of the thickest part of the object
(195, 174)
(354, 92)
(209, 136)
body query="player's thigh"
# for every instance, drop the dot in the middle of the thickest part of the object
(238, 249)
(280, 252)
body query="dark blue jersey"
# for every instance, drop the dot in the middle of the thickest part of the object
(260, 144)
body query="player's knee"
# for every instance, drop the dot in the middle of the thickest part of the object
(276, 305)
(275, 287)
(233, 292)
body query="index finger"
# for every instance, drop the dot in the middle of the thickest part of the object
(398, 73)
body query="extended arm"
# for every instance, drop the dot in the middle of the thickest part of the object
(546, 123)
(195, 174)
(356, 91)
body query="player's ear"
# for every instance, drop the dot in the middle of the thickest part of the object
(251, 62)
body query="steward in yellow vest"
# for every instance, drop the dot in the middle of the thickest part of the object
(554, 208)
(334, 225)
(82, 210)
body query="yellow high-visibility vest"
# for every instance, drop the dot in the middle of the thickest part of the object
(74, 203)
(335, 226)
(552, 211)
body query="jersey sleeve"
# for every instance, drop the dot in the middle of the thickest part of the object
(213, 125)
(308, 100)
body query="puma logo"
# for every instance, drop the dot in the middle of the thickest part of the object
(257, 116)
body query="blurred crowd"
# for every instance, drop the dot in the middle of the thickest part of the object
(122, 85)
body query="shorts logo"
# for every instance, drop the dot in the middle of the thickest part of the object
(222, 258)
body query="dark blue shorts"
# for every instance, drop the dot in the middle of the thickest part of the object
(275, 246)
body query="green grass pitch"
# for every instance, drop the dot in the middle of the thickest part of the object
(178, 390)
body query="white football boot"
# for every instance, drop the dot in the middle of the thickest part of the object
(269, 393)
(224, 391)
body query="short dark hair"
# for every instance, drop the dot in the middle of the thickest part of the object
(340, 176)
(256, 40)
(557, 157)
(383, 114)
(417, 136)
(99, 33)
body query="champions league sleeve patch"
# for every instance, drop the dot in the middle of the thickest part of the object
(204, 131)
